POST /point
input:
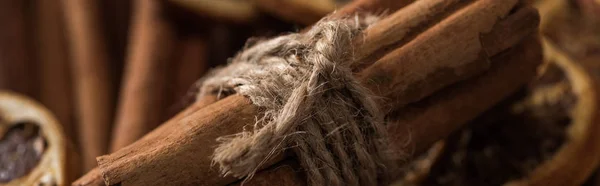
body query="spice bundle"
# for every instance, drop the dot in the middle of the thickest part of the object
(363, 92)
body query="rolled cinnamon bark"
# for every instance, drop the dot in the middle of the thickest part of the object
(416, 18)
(142, 100)
(17, 65)
(191, 62)
(94, 177)
(436, 60)
(230, 115)
(33, 147)
(55, 77)
(93, 89)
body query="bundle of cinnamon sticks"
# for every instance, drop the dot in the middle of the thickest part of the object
(474, 92)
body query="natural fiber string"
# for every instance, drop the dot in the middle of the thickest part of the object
(312, 105)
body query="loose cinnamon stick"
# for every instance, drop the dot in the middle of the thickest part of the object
(17, 71)
(55, 78)
(225, 117)
(191, 63)
(93, 89)
(141, 101)
(56, 90)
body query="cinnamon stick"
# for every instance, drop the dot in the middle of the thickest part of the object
(448, 59)
(94, 176)
(190, 65)
(93, 89)
(225, 117)
(417, 17)
(56, 88)
(141, 101)
(17, 71)
(55, 78)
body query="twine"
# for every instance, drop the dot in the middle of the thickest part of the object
(312, 105)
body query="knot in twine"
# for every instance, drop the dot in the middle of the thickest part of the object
(312, 105)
